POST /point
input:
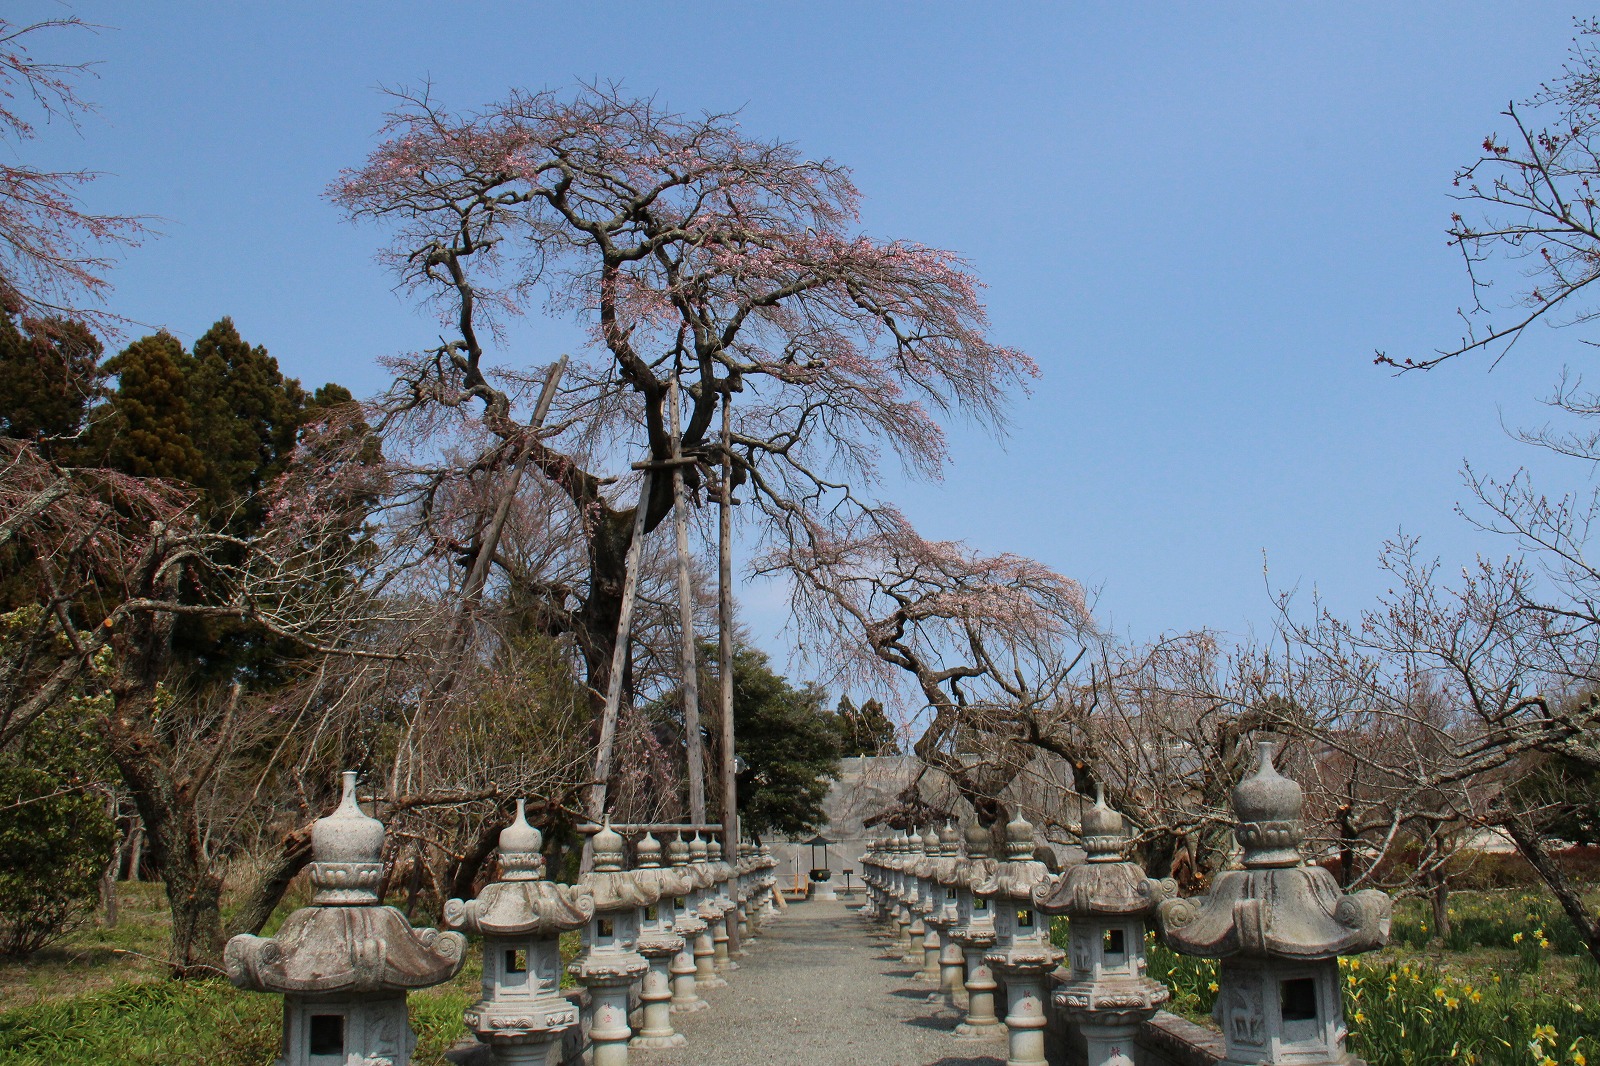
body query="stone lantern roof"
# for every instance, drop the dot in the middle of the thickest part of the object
(522, 903)
(345, 941)
(1105, 885)
(1016, 877)
(1276, 906)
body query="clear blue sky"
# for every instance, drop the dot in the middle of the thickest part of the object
(1199, 220)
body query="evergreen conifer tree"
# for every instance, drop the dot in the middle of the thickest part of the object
(49, 374)
(149, 428)
(246, 414)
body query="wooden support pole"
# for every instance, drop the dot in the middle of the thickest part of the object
(619, 660)
(730, 807)
(694, 756)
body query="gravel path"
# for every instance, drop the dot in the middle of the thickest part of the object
(820, 989)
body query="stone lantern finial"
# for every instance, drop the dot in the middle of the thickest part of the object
(697, 849)
(648, 852)
(609, 848)
(980, 841)
(930, 841)
(520, 844)
(1019, 839)
(1268, 807)
(678, 851)
(1102, 830)
(950, 839)
(346, 853)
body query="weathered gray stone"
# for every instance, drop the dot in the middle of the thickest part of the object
(611, 962)
(1022, 954)
(521, 917)
(1105, 993)
(344, 964)
(1278, 926)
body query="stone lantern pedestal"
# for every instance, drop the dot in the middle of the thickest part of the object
(1022, 955)
(1279, 927)
(974, 934)
(611, 962)
(1105, 993)
(344, 964)
(523, 1012)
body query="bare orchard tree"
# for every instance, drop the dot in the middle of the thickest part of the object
(1528, 228)
(1447, 698)
(117, 561)
(686, 251)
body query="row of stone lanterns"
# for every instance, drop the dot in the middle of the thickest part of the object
(651, 933)
(1278, 925)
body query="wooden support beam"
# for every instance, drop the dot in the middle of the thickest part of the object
(694, 755)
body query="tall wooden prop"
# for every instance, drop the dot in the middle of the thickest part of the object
(619, 659)
(695, 755)
(730, 811)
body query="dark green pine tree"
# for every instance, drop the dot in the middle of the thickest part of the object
(49, 375)
(246, 415)
(147, 429)
(789, 743)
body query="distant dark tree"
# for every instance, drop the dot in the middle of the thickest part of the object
(148, 427)
(790, 746)
(1563, 795)
(246, 415)
(49, 374)
(865, 730)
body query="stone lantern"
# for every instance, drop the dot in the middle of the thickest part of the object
(611, 962)
(521, 918)
(1022, 954)
(344, 964)
(722, 931)
(974, 933)
(1279, 926)
(1105, 993)
(709, 913)
(766, 883)
(911, 899)
(687, 923)
(660, 945)
(946, 912)
(899, 858)
(744, 871)
(869, 878)
(928, 902)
